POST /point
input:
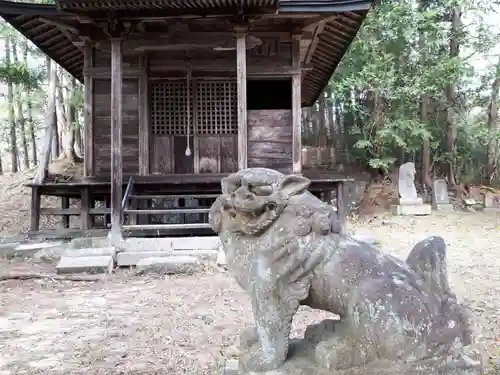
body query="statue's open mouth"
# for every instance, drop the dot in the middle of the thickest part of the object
(252, 219)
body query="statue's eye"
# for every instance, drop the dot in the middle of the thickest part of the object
(230, 185)
(261, 190)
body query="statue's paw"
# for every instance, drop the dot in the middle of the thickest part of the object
(248, 337)
(258, 361)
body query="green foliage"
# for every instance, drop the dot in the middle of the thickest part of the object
(402, 54)
(20, 74)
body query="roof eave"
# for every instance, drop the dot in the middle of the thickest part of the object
(323, 6)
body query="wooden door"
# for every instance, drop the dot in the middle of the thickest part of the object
(216, 126)
(170, 131)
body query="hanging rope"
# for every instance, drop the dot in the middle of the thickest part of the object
(188, 110)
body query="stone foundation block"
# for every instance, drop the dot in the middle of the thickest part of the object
(92, 264)
(168, 265)
(411, 209)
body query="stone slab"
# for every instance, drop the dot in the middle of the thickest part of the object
(132, 258)
(30, 250)
(440, 207)
(168, 265)
(410, 202)
(196, 243)
(93, 264)
(486, 209)
(231, 367)
(411, 210)
(145, 244)
(90, 252)
(88, 242)
(7, 249)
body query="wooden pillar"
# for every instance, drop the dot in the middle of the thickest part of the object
(241, 81)
(116, 140)
(296, 107)
(85, 208)
(36, 197)
(144, 128)
(88, 112)
(65, 206)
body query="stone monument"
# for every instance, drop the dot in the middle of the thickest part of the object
(491, 202)
(409, 203)
(284, 248)
(440, 198)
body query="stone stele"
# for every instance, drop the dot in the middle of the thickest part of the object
(409, 202)
(284, 248)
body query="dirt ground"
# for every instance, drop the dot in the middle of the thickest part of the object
(131, 324)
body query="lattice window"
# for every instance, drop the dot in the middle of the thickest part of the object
(168, 108)
(216, 107)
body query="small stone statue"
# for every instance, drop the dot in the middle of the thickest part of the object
(284, 248)
(406, 183)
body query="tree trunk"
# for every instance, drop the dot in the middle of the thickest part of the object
(55, 137)
(322, 133)
(29, 105)
(11, 111)
(49, 123)
(493, 128)
(425, 177)
(69, 128)
(451, 95)
(21, 122)
(332, 132)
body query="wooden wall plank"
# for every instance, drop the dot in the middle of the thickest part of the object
(161, 155)
(116, 141)
(144, 128)
(270, 139)
(228, 153)
(102, 121)
(182, 162)
(88, 141)
(209, 157)
(241, 81)
(296, 107)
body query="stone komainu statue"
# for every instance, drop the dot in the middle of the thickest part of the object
(284, 248)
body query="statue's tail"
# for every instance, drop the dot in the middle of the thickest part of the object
(428, 261)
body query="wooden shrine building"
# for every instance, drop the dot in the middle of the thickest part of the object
(179, 93)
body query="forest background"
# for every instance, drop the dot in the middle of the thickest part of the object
(420, 83)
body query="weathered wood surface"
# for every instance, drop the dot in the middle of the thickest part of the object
(88, 111)
(270, 139)
(102, 121)
(296, 108)
(143, 112)
(116, 140)
(241, 83)
(264, 61)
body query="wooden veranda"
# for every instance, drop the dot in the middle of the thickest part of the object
(181, 93)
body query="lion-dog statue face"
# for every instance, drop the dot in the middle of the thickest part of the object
(284, 250)
(253, 199)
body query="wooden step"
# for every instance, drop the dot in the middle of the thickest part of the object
(169, 211)
(175, 196)
(167, 226)
(73, 211)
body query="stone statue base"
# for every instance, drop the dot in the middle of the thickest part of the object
(310, 356)
(444, 207)
(411, 209)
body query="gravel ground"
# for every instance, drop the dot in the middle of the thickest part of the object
(187, 325)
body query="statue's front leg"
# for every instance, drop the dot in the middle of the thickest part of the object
(273, 320)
